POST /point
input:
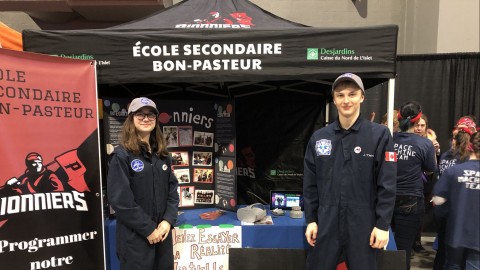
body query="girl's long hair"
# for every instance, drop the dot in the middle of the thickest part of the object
(130, 140)
(475, 143)
(462, 140)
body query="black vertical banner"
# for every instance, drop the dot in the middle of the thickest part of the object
(225, 163)
(114, 114)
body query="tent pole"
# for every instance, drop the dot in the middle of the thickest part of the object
(327, 113)
(390, 106)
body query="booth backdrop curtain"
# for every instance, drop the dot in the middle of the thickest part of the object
(446, 85)
(273, 130)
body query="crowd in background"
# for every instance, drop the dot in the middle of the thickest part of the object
(449, 188)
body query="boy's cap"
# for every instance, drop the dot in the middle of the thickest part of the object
(141, 102)
(349, 77)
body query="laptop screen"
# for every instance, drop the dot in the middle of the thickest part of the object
(285, 199)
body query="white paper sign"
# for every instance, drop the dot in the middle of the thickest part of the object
(204, 248)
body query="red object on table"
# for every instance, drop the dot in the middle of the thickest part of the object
(212, 215)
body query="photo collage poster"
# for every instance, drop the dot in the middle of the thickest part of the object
(188, 127)
(190, 134)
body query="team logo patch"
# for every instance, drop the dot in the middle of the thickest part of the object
(145, 101)
(391, 156)
(164, 167)
(357, 150)
(323, 147)
(137, 165)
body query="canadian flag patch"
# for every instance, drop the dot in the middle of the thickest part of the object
(391, 156)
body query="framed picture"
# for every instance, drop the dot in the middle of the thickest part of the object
(203, 139)
(183, 175)
(203, 175)
(202, 158)
(185, 136)
(204, 196)
(222, 148)
(187, 194)
(225, 165)
(180, 158)
(171, 135)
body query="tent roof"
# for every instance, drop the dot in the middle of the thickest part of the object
(211, 13)
(199, 41)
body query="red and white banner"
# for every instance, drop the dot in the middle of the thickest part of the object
(50, 181)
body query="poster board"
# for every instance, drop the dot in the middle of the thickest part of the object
(199, 136)
(225, 161)
(50, 182)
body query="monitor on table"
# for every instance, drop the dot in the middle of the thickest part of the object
(285, 199)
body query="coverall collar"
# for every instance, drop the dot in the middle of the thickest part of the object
(354, 127)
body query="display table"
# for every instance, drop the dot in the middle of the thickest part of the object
(284, 233)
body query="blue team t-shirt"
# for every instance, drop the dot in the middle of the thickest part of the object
(460, 185)
(447, 160)
(415, 154)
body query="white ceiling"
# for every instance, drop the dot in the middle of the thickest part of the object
(78, 14)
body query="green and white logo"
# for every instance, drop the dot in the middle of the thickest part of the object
(273, 172)
(312, 53)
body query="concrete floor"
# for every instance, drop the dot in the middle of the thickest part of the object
(422, 262)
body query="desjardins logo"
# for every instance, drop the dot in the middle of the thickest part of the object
(327, 53)
(288, 172)
(335, 51)
(312, 54)
(76, 56)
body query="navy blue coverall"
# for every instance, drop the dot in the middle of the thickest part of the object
(143, 191)
(349, 188)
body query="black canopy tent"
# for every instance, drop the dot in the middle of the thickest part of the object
(224, 49)
(223, 41)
